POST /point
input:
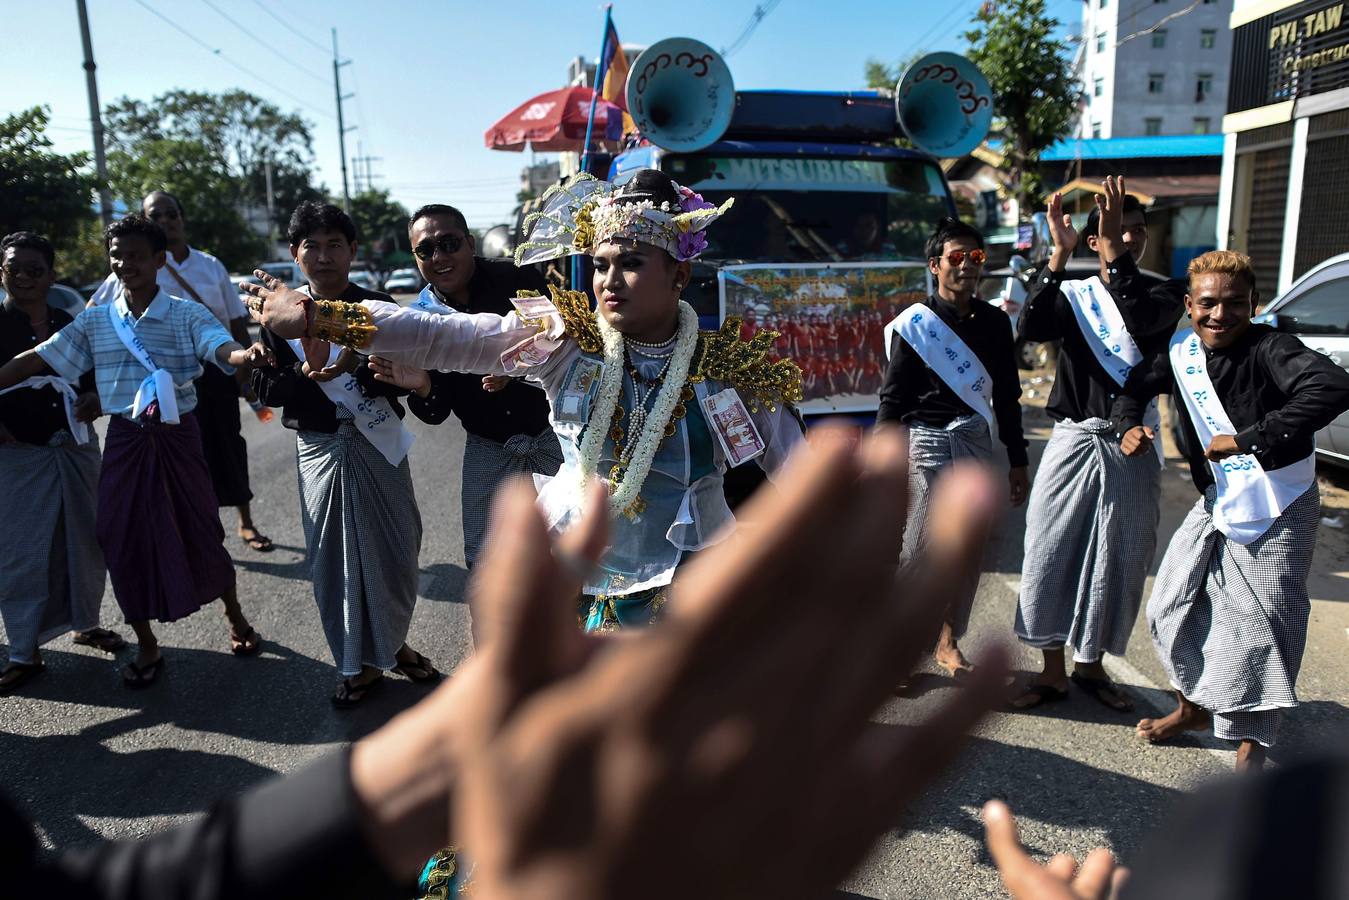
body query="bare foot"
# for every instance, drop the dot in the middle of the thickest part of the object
(953, 661)
(1250, 757)
(1185, 717)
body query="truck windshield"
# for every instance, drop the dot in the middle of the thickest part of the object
(816, 208)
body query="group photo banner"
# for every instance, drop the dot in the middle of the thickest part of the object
(830, 319)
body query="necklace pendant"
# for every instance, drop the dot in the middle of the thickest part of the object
(635, 509)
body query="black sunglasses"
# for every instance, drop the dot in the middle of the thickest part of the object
(426, 250)
(33, 271)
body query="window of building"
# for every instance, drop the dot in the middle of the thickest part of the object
(1101, 4)
(1152, 127)
(1159, 39)
(1156, 83)
(1202, 124)
(1096, 129)
(1207, 38)
(1097, 87)
(1203, 87)
(1100, 42)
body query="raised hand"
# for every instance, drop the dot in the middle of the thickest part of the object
(1110, 231)
(1099, 878)
(725, 751)
(279, 309)
(1063, 232)
(408, 378)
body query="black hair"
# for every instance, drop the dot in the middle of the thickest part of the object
(137, 224)
(949, 229)
(160, 193)
(438, 209)
(311, 216)
(30, 240)
(648, 184)
(1093, 226)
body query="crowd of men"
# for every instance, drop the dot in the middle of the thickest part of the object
(164, 351)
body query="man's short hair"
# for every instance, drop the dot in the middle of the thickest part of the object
(1093, 226)
(30, 240)
(311, 216)
(1222, 262)
(137, 224)
(176, 202)
(949, 229)
(438, 209)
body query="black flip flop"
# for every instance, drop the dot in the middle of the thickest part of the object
(27, 672)
(100, 639)
(1094, 687)
(349, 694)
(1043, 693)
(142, 677)
(425, 672)
(259, 543)
(240, 646)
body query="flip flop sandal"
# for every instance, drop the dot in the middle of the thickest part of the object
(350, 694)
(142, 677)
(421, 671)
(27, 672)
(259, 542)
(958, 675)
(101, 639)
(1043, 693)
(1096, 688)
(240, 644)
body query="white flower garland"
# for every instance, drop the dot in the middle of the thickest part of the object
(641, 453)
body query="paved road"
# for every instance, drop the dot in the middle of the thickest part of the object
(92, 760)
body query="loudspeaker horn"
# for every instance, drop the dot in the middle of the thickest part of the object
(944, 105)
(680, 94)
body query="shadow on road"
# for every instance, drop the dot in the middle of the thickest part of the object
(445, 582)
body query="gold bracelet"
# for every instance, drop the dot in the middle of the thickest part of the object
(340, 322)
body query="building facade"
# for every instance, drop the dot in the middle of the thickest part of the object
(1285, 171)
(1153, 67)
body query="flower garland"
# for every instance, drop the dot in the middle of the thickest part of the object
(628, 477)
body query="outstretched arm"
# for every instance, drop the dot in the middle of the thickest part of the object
(22, 367)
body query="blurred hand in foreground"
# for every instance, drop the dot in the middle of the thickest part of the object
(1099, 877)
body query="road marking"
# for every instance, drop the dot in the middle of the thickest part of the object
(1120, 669)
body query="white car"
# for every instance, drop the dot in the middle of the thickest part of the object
(66, 299)
(364, 279)
(403, 281)
(1316, 310)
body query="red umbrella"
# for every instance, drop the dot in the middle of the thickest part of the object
(556, 121)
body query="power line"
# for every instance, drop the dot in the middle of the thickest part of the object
(760, 13)
(315, 44)
(1158, 24)
(225, 59)
(290, 62)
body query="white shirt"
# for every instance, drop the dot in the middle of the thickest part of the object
(204, 272)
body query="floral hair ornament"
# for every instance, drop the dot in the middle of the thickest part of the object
(584, 212)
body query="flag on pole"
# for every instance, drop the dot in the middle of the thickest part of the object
(615, 68)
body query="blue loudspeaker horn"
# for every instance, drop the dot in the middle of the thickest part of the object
(680, 94)
(944, 104)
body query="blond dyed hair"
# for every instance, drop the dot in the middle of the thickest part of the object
(1222, 262)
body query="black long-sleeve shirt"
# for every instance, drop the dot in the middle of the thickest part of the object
(298, 836)
(32, 416)
(304, 406)
(913, 393)
(1276, 391)
(516, 409)
(1150, 308)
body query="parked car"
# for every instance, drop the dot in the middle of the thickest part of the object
(403, 281)
(239, 280)
(363, 278)
(1316, 310)
(66, 299)
(289, 272)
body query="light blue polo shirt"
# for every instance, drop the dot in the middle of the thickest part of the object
(179, 335)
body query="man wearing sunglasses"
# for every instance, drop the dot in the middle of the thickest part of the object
(1091, 524)
(953, 381)
(199, 277)
(507, 426)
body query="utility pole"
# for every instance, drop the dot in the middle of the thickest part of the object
(95, 117)
(361, 161)
(341, 129)
(271, 210)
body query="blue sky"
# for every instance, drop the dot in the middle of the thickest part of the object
(430, 77)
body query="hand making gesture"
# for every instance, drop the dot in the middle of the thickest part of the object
(1063, 232)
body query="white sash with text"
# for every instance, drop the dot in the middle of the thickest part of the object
(947, 355)
(158, 385)
(373, 416)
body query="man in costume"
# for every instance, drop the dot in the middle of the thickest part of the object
(638, 397)
(157, 520)
(51, 570)
(507, 428)
(1091, 524)
(362, 528)
(1228, 611)
(952, 380)
(195, 275)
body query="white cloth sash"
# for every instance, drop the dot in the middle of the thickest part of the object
(1110, 341)
(374, 416)
(158, 385)
(1249, 498)
(79, 430)
(947, 355)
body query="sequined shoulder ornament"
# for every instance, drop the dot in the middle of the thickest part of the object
(577, 317)
(745, 365)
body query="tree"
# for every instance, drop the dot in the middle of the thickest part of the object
(1035, 93)
(41, 191)
(881, 77)
(381, 223)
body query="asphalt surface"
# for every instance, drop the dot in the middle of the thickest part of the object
(91, 760)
